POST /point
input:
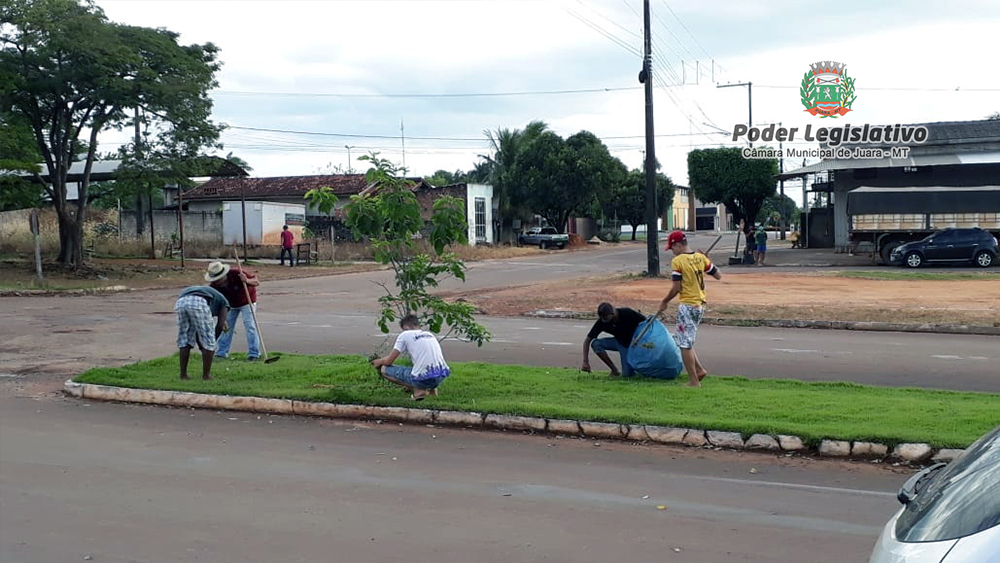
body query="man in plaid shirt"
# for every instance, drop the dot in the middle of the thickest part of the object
(195, 308)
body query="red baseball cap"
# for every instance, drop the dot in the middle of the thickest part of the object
(674, 238)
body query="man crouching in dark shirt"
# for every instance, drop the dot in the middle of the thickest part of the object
(620, 324)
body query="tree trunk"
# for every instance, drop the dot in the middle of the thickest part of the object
(70, 240)
(634, 227)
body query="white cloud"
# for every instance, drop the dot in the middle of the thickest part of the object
(490, 46)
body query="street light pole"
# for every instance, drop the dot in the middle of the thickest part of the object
(749, 86)
(349, 147)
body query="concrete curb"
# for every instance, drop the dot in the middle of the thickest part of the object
(74, 292)
(693, 437)
(785, 323)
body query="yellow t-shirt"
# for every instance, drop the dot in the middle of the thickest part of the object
(690, 269)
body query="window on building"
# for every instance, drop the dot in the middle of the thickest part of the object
(480, 203)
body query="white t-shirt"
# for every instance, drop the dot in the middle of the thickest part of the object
(425, 351)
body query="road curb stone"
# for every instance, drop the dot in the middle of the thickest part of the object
(910, 452)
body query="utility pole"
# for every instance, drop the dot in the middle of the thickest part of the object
(749, 86)
(781, 168)
(348, 147)
(652, 229)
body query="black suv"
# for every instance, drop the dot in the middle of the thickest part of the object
(950, 245)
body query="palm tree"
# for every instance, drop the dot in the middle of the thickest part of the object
(505, 145)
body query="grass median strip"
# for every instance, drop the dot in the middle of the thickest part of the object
(812, 410)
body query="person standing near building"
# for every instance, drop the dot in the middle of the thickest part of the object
(287, 243)
(760, 237)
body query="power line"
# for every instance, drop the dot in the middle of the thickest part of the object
(901, 89)
(691, 35)
(429, 95)
(394, 137)
(613, 22)
(614, 38)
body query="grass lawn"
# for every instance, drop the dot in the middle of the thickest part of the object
(811, 410)
(907, 275)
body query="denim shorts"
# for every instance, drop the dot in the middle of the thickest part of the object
(404, 374)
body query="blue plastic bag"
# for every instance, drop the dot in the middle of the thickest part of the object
(653, 352)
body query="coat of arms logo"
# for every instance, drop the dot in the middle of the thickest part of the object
(826, 89)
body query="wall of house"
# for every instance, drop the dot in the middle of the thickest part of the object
(679, 212)
(951, 175)
(198, 226)
(215, 204)
(485, 192)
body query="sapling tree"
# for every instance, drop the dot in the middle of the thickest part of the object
(389, 217)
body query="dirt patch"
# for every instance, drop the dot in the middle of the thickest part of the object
(804, 296)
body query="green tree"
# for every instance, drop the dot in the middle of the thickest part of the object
(776, 208)
(627, 201)
(505, 146)
(724, 176)
(390, 219)
(67, 70)
(445, 178)
(562, 177)
(18, 155)
(325, 201)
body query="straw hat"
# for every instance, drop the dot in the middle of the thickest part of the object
(216, 271)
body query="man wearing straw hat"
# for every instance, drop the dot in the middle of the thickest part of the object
(195, 308)
(239, 288)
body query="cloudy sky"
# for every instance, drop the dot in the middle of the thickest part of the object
(304, 79)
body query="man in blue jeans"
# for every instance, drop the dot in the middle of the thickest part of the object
(620, 323)
(236, 285)
(429, 368)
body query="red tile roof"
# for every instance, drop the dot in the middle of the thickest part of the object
(281, 186)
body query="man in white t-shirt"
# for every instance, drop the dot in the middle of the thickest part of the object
(429, 368)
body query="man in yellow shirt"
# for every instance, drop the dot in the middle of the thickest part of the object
(688, 269)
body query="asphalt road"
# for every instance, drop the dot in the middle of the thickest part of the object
(115, 483)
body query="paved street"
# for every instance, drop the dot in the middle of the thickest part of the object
(119, 483)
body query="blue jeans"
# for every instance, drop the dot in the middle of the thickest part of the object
(226, 339)
(405, 375)
(291, 258)
(611, 344)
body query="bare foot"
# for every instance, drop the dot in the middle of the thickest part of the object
(185, 377)
(206, 377)
(615, 374)
(420, 395)
(702, 375)
(434, 392)
(694, 384)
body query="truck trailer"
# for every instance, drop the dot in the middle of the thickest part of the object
(888, 217)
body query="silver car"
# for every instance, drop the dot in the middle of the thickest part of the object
(950, 511)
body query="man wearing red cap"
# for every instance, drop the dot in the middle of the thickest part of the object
(688, 269)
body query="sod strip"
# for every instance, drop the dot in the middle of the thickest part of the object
(812, 410)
